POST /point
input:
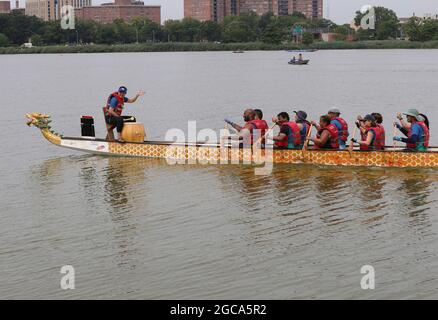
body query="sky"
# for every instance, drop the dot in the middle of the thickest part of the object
(340, 11)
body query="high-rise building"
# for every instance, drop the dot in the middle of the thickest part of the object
(216, 10)
(5, 6)
(120, 9)
(204, 10)
(51, 9)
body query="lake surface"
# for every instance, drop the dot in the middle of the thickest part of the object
(142, 229)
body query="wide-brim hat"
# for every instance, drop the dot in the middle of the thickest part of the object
(334, 110)
(413, 113)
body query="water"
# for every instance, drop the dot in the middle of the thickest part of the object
(141, 229)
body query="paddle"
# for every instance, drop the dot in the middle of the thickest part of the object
(393, 135)
(350, 147)
(266, 133)
(306, 143)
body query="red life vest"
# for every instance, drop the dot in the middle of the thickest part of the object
(333, 143)
(424, 139)
(382, 137)
(120, 103)
(261, 126)
(293, 139)
(375, 142)
(343, 133)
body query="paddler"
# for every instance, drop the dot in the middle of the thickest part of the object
(114, 108)
(303, 124)
(327, 136)
(289, 136)
(341, 125)
(418, 132)
(252, 129)
(379, 122)
(370, 133)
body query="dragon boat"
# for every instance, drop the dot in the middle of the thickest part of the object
(217, 153)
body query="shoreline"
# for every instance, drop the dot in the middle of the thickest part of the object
(203, 46)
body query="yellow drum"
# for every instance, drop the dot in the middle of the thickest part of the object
(133, 132)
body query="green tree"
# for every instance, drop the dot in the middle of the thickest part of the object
(106, 34)
(172, 29)
(211, 31)
(4, 41)
(307, 38)
(419, 30)
(37, 40)
(148, 30)
(273, 33)
(190, 30)
(387, 24)
(87, 31)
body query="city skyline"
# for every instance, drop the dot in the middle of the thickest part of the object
(339, 11)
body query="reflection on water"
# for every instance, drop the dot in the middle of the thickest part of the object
(266, 234)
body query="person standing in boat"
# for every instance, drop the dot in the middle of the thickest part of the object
(370, 133)
(418, 132)
(303, 124)
(341, 125)
(327, 136)
(114, 108)
(289, 136)
(300, 57)
(253, 128)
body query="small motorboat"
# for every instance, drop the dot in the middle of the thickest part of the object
(298, 62)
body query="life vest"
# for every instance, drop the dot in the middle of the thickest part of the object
(382, 137)
(375, 142)
(293, 138)
(343, 132)
(333, 142)
(120, 103)
(423, 141)
(261, 126)
(304, 131)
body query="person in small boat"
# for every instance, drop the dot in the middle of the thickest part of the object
(341, 125)
(114, 108)
(370, 134)
(294, 60)
(303, 124)
(327, 136)
(289, 136)
(300, 57)
(417, 133)
(252, 129)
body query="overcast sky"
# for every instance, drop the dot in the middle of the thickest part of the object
(340, 11)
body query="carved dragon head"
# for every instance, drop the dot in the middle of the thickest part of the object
(39, 120)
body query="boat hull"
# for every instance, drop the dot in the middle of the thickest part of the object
(304, 62)
(214, 154)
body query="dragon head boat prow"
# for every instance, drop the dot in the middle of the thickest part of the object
(42, 122)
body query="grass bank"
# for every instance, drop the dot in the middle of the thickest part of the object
(178, 47)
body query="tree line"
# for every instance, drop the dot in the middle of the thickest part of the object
(16, 29)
